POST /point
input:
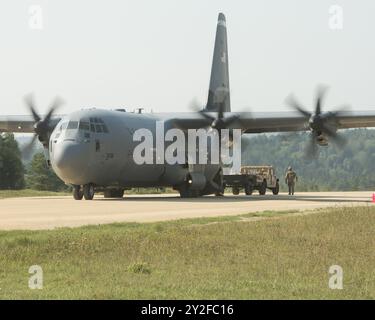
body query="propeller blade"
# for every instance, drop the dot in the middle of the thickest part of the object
(341, 109)
(54, 106)
(229, 120)
(195, 105)
(206, 116)
(198, 107)
(339, 140)
(29, 100)
(293, 103)
(321, 92)
(336, 138)
(311, 149)
(26, 150)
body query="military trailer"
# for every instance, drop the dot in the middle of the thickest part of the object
(240, 181)
(253, 178)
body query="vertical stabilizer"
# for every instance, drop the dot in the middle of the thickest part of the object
(218, 94)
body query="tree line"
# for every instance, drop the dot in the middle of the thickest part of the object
(17, 174)
(351, 167)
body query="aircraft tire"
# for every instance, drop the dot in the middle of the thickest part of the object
(88, 191)
(119, 193)
(77, 192)
(188, 193)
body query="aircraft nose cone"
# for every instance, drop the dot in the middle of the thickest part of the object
(70, 160)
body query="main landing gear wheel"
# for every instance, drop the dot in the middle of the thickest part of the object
(77, 193)
(186, 192)
(189, 193)
(114, 193)
(88, 191)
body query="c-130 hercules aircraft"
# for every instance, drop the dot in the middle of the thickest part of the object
(93, 149)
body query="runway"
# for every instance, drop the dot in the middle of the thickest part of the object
(55, 212)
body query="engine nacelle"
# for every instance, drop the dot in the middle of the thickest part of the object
(321, 140)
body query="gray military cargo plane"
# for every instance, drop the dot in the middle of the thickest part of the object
(93, 149)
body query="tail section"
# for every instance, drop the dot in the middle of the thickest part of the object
(218, 94)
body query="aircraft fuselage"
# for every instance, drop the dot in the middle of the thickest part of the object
(96, 147)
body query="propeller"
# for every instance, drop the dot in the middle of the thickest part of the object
(42, 127)
(320, 123)
(220, 121)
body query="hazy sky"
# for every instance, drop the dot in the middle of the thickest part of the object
(157, 54)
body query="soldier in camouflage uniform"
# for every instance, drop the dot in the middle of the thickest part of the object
(290, 180)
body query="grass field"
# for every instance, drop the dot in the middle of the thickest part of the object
(212, 258)
(29, 193)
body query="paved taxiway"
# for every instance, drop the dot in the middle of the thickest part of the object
(53, 212)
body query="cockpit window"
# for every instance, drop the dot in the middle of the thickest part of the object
(98, 125)
(63, 126)
(98, 128)
(83, 125)
(72, 125)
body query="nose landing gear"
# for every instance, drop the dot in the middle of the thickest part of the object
(77, 193)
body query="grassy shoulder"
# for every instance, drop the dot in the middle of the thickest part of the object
(236, 257)
(29, 193)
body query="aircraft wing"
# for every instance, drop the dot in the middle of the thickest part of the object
(24, 124)
(259, 122)
(292, 121)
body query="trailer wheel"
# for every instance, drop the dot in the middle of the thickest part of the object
(236, 191)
